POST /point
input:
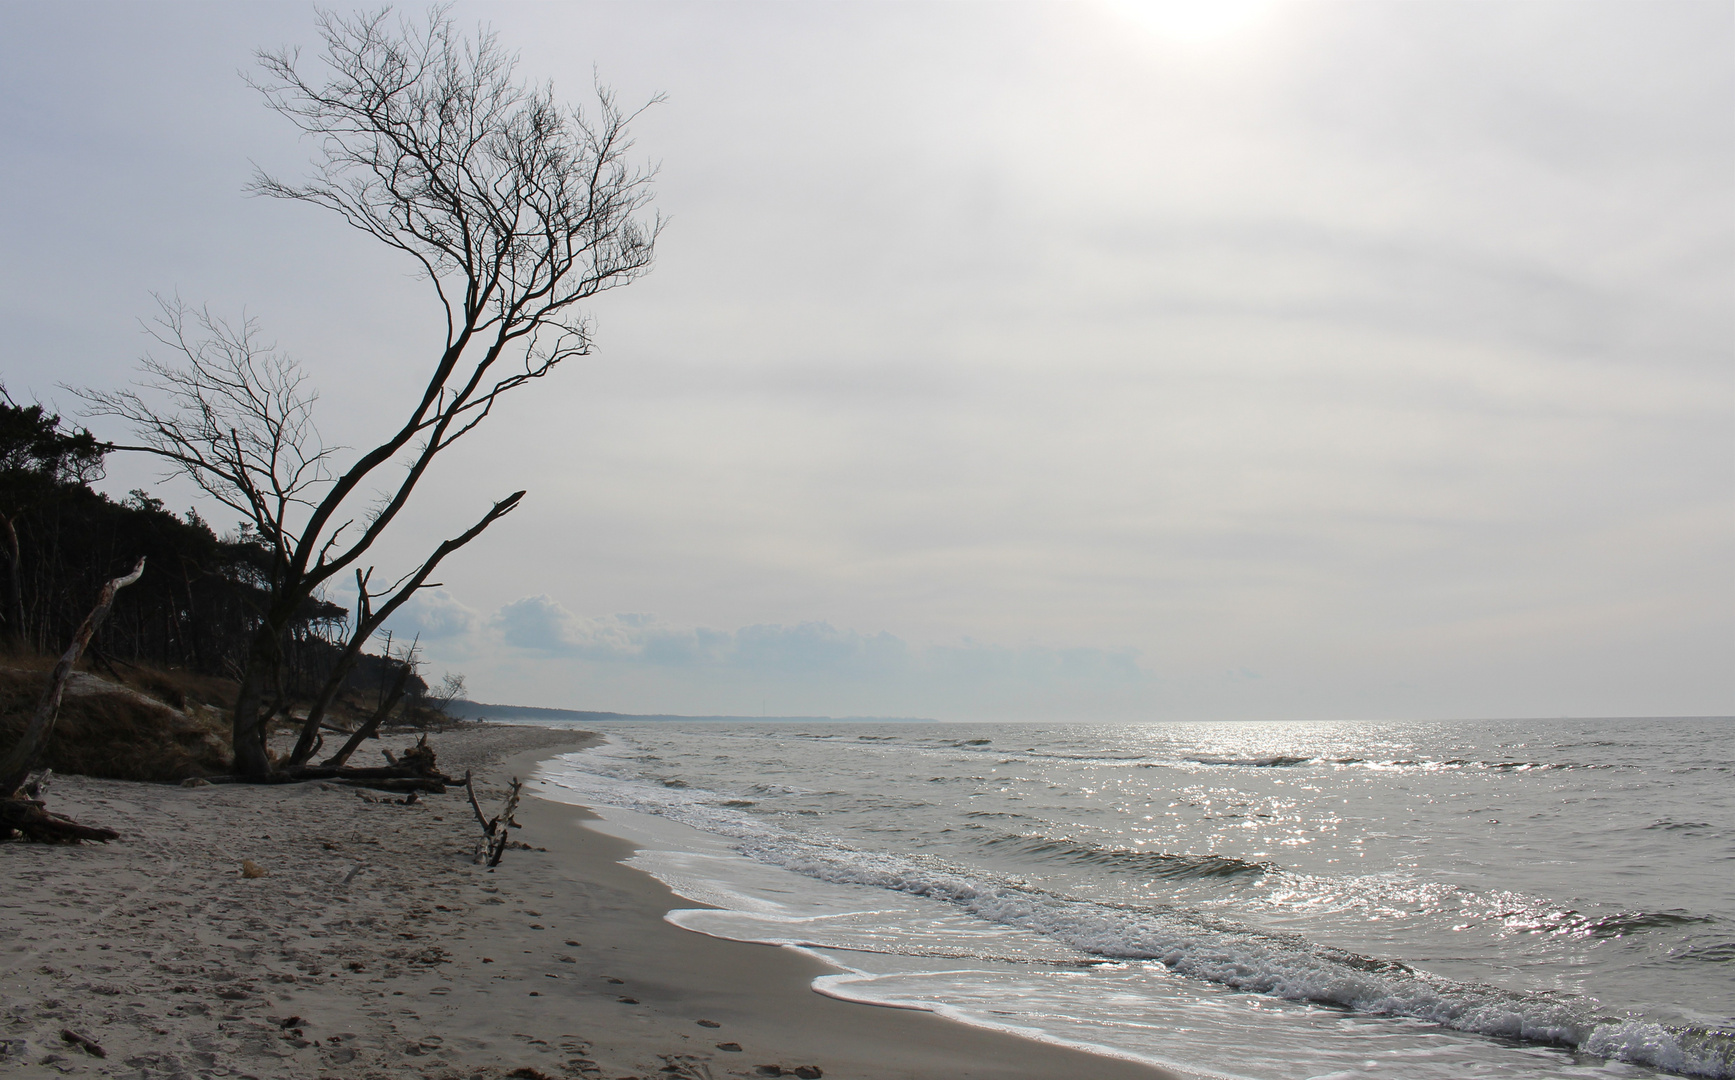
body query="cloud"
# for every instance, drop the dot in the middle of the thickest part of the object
(434, 615)
(541, 626)
(1415, 403)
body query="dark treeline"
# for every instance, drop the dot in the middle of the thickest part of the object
(199, 601)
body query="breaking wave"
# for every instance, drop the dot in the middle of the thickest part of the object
(1160, 864)
(1191, 944)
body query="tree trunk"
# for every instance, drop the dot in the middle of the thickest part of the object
(15, 587)
(248, 728)
(308, 743)
(368, 620)
(31, 818)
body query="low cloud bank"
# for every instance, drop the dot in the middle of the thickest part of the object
(633, 662)
(542, 626)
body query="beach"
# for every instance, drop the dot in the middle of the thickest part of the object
(372, 946)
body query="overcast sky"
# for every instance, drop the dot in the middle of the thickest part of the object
(1010, 361)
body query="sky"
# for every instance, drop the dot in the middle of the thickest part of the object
(1099, 361)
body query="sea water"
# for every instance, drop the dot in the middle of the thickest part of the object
(1267, 901)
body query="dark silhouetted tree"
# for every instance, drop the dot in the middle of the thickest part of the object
(513, 208)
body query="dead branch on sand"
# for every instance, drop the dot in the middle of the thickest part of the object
(28, 816)
(493, 843)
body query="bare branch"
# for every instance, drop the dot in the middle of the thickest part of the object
(233, 414)
(369, 619)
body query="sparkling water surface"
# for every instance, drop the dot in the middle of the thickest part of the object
(1545, 898)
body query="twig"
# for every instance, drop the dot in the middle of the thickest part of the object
(88, 1045)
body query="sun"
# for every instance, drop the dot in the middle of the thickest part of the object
(1192, 22)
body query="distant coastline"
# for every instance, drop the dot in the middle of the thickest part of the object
(476, 710)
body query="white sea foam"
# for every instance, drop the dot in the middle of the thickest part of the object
(1222, 952)
(1185, 941)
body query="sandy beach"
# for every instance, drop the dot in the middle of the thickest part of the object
(373, 947)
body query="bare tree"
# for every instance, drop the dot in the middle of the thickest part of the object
(514, 209)
(452, 689)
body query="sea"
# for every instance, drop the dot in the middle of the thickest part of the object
(1265, 901)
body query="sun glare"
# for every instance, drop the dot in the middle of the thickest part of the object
(1192, 22)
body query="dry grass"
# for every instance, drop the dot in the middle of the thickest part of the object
(181, 689)
(108, 730)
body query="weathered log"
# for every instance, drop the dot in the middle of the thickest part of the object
(359, 775)
(35, 822)
(83, 1042)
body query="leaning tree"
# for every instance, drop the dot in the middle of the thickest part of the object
(513, 208)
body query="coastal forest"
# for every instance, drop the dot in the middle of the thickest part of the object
(61, 541)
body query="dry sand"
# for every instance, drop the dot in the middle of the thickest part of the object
(373, 947)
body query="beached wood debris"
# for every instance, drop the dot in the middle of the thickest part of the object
(31, 819)
(28, 816)
(83, 1042)
(416, 769)
(492, 846)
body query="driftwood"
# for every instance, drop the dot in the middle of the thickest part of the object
(28, 816)
(492, 845)
(85, 1043)
(34, 821)
(415, 770)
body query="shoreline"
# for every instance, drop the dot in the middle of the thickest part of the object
(762, 995)
(373, 949)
